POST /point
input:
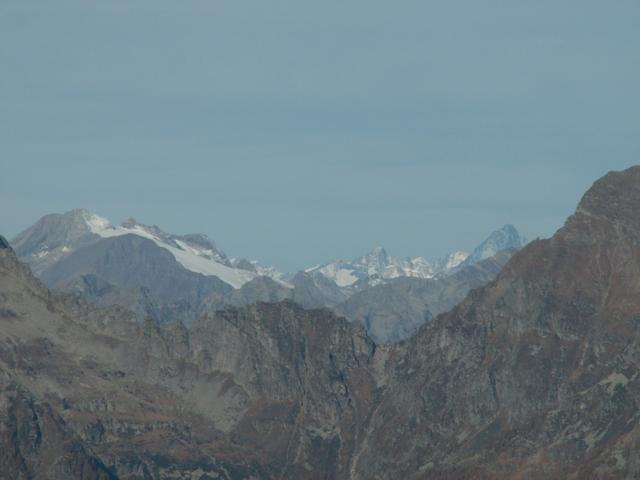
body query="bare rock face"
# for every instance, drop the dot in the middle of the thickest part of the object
(534, 376)
(265, 391)
(35, 443)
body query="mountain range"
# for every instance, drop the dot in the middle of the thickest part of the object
(171, 277)
(534, 375)
(377, 267)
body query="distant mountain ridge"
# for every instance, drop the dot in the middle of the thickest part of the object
(55, 236)
(394, 310)
(168, 276)
(377, 266)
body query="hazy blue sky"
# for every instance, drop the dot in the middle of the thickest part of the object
(295, 132)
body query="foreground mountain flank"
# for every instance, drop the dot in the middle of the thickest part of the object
(535, 375)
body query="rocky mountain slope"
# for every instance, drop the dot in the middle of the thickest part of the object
(266, 391)
(535, 375)
(394, 310)
(36, 444)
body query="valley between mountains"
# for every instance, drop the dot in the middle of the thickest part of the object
(130, 353)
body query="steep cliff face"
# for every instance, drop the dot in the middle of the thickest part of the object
(535, 375)
(36, 443)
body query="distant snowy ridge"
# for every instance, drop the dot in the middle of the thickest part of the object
(194, 256)
(57, 236)
(377, 266)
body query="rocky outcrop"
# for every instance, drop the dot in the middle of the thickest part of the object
(505, 238)
(3, 242)
(36, 443)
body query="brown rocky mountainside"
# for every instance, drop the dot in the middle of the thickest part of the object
(534, 376)
(266, 391)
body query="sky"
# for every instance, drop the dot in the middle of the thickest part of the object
(297, 132)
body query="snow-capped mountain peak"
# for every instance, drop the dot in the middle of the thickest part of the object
(373, 268)
(96, 223)
(191, 256)
(378, 266)
(55, 236)
(504, 238)
(374, 261)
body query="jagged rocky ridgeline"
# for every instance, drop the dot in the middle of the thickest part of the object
(181, 277)
(534, 375)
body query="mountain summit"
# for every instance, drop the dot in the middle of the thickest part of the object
(138, 266)
(378, 267)
(55, 237)
(506, 238)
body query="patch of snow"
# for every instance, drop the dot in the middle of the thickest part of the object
(343, 277)
(195, 250)
(272, 273)
(97, 223)
(377, 266)
(456, 258)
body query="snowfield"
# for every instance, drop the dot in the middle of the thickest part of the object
(191, 257)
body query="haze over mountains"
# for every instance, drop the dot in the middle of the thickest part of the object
(181, 277)
(534, 375)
